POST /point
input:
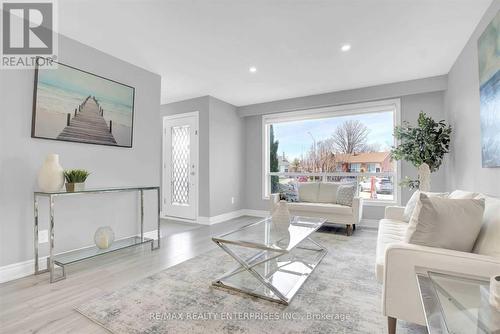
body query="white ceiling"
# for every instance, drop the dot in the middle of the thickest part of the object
(205, 47)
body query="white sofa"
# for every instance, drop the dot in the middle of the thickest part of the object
(397, 262)
(318, 199)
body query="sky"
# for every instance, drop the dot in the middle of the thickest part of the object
(67, 78)
(294, 139)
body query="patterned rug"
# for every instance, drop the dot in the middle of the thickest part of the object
(341, 296)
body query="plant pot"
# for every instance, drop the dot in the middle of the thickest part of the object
(72, 187)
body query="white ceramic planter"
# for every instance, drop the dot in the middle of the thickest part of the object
(51, 175)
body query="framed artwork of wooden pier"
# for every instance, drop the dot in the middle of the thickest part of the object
(71, 104)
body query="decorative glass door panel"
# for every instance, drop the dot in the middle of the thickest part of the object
(180, 165)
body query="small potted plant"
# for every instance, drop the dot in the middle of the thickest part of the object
(75, 179)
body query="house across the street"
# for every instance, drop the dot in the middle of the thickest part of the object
(367, 162)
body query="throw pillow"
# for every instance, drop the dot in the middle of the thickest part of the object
(345, 194)
(445, 223)
(289, 192)
(412, 203)
(308, 191)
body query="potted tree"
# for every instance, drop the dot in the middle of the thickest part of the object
(424, 146)
(75, 179)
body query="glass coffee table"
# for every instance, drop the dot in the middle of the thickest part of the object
(273, 260)
(457, 305)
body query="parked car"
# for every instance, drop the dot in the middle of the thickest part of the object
(385, 186)
(382, 186)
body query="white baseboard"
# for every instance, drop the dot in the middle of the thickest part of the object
(184, 220)
(21, 269)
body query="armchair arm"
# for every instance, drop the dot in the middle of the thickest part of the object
(401, 297)
(357, 209)
(394, 212)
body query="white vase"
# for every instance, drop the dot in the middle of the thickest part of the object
(51, 175)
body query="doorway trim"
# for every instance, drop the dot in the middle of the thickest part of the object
(164, 177)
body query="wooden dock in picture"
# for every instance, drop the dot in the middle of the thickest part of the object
(88, 125)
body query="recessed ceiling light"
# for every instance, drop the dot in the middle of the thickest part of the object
(346, 47)
(252, 69)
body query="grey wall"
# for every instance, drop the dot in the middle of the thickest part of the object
(462, 110)
(200, 104)
(227, 163)
(386, 91)
(21, 157)
(221, 157)
(412, 103)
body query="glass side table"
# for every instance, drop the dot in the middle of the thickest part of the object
(64, 259)
(457, 305)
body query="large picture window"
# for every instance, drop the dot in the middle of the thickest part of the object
(349, 143)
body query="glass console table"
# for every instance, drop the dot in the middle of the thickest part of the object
(61, 260)
(273, 261)
(457, 305)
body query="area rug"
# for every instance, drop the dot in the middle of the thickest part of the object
(341, 296)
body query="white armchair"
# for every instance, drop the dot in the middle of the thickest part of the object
(397, 262)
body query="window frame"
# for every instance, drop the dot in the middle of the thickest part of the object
(387, 105)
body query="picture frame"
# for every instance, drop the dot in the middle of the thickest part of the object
(75, 105)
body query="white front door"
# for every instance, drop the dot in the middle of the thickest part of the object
(180, 166)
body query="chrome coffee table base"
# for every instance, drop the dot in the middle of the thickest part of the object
(276, 274)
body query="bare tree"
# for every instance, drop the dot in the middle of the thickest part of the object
(350, 137)
(295, 166)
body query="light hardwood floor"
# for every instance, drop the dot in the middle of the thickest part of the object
(32, 305)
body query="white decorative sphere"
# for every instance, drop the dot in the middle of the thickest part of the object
(104, 237)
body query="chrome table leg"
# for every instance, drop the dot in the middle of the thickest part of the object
(50, 266)
(35, 237)
(142, 214)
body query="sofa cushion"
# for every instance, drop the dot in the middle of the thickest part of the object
(462, 194)
(308, 191)
(389, 231)
(488, 241)
(345, 194)
(412, 203)
(328, 192)
(445, 223)
(329, 208)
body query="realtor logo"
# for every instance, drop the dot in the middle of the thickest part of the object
(27, 32)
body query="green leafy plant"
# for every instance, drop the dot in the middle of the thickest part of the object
(76, 175)
(427, 142)
(274, 163)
